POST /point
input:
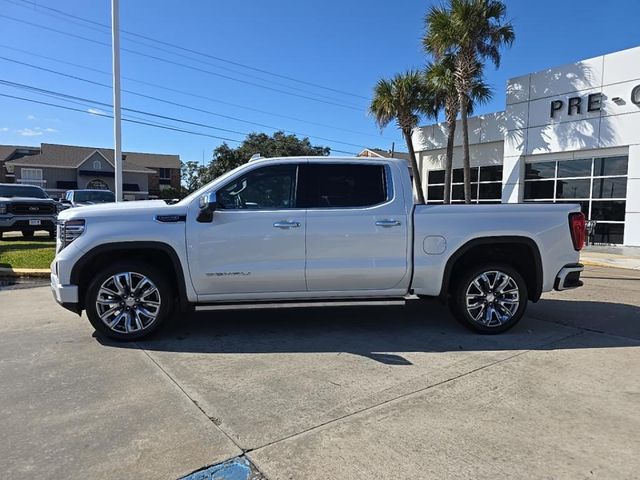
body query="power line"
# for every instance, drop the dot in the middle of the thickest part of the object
(134, 120)
(220, 59)
(195, 95)
(184, 65)
(99, 114)
(150, 97)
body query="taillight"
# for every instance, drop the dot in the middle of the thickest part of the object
(578, 228)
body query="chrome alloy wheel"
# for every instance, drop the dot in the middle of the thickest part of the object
(492, 298)
(128, 302)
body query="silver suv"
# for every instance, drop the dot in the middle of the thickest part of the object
(26, 209)
(79, 198)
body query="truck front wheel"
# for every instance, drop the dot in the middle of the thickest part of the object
(490, 298)
(128, 301)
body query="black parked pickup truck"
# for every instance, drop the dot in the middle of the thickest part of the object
(26, 208)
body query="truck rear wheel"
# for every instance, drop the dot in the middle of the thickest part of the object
(489, 298)
(129, 301)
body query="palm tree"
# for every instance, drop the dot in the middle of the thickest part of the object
(404, 99)
(441, 82)
(471, 31)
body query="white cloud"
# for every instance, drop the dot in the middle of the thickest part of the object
(95, 111)
(28, 132)
(50, 130)
(31, 117)
(4, 129)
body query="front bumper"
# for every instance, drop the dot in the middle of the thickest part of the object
(569, 277)
(65, 295)
(18, 223)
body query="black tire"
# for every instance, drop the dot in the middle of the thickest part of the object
(27, 233)
(479, 317)
(165, 297)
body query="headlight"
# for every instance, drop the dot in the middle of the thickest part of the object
(3, 208)
(68, 231)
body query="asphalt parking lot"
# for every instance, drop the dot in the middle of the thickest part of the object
(387, 392)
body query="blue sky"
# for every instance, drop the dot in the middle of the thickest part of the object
(344, 45)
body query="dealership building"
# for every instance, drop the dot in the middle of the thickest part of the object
(568, 134)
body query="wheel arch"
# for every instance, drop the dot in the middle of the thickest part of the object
(464, 257)
(159, 254)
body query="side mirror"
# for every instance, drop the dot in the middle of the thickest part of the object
(208, 205)
(64, 201)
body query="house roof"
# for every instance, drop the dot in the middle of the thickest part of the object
(378, 152)
(6, 151)
(72, 156)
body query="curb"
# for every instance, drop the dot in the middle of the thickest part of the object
(598, 263)
(25, 272)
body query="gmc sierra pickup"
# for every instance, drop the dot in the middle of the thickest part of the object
(292, 229)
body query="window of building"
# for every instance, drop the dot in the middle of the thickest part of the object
(486, 185)
(267, 188)
(598, 185)
(31, 173)
(343, 186)
(97, 184)
(164, 173)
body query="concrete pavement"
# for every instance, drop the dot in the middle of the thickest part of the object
(340, 393)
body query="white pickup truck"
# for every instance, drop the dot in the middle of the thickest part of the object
(310, 229)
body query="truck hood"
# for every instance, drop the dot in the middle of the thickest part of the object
(115, 209)
(27, 200)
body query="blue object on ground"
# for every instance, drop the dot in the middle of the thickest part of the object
(234, 469)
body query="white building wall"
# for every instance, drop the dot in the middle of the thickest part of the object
(528, 131)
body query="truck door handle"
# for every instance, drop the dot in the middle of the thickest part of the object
(388, 223)
(285, 224)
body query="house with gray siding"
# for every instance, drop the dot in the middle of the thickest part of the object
(58, 168)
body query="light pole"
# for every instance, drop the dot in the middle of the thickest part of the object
(117, 133)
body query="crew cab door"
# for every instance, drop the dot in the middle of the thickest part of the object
(357, 227)
(255, 241)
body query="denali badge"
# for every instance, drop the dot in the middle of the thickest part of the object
(227, 274)
(33, 209)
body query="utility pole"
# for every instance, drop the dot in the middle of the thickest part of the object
(117, 120)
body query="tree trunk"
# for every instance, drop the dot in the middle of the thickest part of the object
(448, 165)
(414, 166)
(465, 147)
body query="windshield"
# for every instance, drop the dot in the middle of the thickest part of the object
(94, 196)
(10, 191)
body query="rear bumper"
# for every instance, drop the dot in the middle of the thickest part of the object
(65, 295)
(569, 277)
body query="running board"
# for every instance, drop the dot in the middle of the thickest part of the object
(300, 304)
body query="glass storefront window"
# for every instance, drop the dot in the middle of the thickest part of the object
(609, 233)
(599, 185)
(574, 168)
(573, 188)
(490, 191)
(435, 192)
(458, 175)
(435, 177)
(540, 170)
(491, 174)
(610, 187)
(604, 167)
(539, 190)
(608, 210)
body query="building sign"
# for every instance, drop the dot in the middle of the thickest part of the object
(590, 103)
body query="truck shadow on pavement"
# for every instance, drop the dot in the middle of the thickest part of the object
(384, 333)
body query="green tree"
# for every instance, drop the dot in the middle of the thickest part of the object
(471, 32)
(279, 144)
(441, 81)
(225, 158)
(404, 99)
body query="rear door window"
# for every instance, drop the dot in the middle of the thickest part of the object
(340, 185)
